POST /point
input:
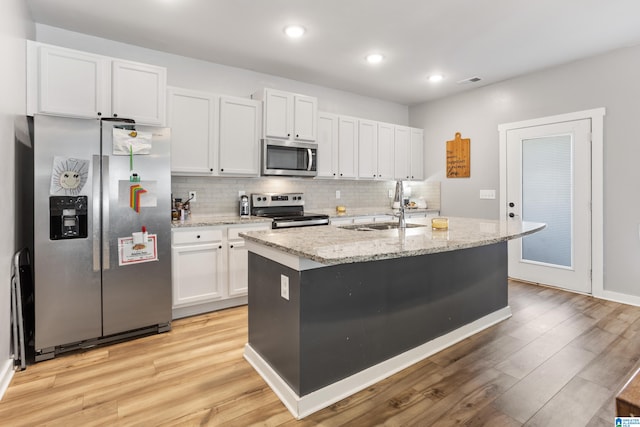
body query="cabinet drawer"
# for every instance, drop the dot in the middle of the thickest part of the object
(234, 231)
(196, 236)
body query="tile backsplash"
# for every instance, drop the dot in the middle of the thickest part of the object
(219, 196)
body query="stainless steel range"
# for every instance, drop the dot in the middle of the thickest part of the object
(286, 210)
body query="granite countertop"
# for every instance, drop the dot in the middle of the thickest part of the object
(369, 211)
(212, 220)
(207, 221)
(333, 245)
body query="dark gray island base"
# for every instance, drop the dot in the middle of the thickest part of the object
(347, 326)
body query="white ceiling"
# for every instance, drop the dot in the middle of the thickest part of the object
(492, 39)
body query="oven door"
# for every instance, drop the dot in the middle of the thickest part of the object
(288, 158)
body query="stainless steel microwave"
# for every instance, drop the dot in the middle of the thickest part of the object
(289, 158)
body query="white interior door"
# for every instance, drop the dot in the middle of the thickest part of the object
(549, 180)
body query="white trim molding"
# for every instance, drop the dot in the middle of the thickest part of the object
(597, 185)
(6, 374)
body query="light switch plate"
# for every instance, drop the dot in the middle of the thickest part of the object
(488, 194)
(284, 287)
(192, 196)
(337, 194)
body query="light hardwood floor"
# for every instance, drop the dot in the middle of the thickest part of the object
(559, 360)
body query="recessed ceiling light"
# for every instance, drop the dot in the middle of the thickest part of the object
(374, 58)
(434, 78)
(294, 31)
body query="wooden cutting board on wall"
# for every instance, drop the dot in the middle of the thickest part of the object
(459, 157)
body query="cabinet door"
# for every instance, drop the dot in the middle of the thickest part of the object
(278, 114)
(305, 115)
(197, 273)
(367, 149)
(139, 92)
(402, 168)
(386, 154)
(70, 83)
(239, 136)
(348, 147)
(238, 268)
(417, 154)
(192, 120)
(327, 145)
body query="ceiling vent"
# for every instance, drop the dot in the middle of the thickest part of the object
(474, 79)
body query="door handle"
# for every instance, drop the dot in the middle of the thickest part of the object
(97, 198)
(105, 212)
(310, 152)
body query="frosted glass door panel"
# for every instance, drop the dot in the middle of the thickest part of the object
(547, 171)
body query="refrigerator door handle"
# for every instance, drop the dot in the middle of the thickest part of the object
(105, 213)
(96, 213)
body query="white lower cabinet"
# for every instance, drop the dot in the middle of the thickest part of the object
(209, 268)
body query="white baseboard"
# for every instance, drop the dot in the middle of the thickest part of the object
(6, 373)
(619, 297)
(192, 310)
(302, 406)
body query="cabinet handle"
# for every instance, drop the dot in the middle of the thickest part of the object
(220, 247)
(115, 115)
(288, 134)
(211, 169)
(334, 174)
(221, 169)
(198, 236)
(99, 113)
(340, 174)
(374, 175)
(231, 246)
(297, 136)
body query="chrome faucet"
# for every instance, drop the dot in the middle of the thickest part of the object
(399, 197)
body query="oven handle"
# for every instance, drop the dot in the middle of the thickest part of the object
(310, 151)
(289, 224)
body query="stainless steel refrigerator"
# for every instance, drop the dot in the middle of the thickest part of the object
(94, 194)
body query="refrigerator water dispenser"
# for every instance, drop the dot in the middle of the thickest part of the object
(67, 217)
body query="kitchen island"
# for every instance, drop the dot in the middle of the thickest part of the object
(333, 310)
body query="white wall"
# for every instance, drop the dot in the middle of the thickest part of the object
(15, 27)
(609, 81)
(201, 75)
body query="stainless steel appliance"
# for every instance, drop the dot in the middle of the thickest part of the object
(289, 158)
(286, 210)
(91, 283)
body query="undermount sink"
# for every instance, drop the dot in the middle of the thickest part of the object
(378, 226)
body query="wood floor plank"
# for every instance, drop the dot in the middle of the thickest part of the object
(559, 351)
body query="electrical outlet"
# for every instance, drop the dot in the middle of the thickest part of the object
(192, 196)
(284, 287)
(337, 194)
(390, 193)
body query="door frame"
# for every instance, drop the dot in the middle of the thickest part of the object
(597, 181)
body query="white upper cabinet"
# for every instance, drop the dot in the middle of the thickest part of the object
(402, 162)
(327, 145)
(192, 118)
(72, 83)
(138, 92)
(239, 136)
(386, 151)
(347, 147)
(417, 154)
(67, 82)
(289, 116)
(367, 149)
(305, 118)
(213, 135)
